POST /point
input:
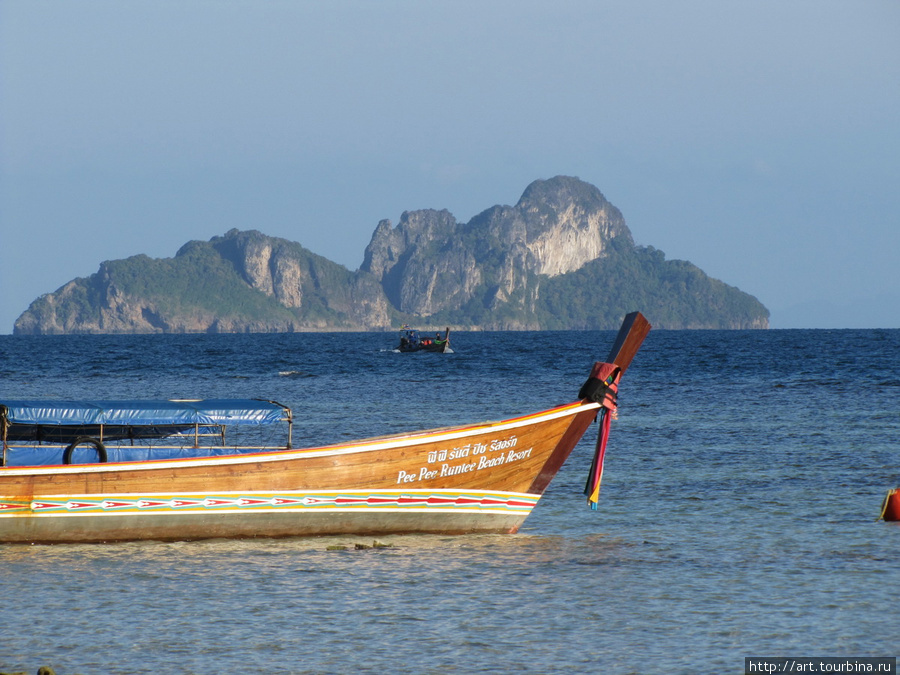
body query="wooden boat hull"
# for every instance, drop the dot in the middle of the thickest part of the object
(890, 509)
(441, 348)
(484, 478)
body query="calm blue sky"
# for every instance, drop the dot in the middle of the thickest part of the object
(760, 139)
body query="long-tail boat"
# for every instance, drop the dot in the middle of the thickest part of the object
(412, 340)
(102, 471)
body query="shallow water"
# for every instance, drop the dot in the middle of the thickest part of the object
(737, 517)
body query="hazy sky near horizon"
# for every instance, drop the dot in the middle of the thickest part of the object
(759, 140)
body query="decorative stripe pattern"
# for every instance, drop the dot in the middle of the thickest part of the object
(431, 500)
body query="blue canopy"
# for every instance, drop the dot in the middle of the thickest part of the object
(143, 413)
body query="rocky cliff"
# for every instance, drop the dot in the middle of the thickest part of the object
(562, 257)
(431, 264)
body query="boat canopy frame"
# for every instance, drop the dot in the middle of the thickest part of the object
(63, 421)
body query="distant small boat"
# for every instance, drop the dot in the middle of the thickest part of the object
(890, 509)
(412, 340)
(98, 471)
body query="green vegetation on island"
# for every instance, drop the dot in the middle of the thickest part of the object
(561, 258)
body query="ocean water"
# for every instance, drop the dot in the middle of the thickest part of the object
(737, 518)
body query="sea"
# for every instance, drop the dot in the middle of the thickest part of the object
(738, 514)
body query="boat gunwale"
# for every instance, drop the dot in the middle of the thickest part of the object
(372, 444)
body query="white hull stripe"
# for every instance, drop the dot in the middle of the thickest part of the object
(267, 455)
